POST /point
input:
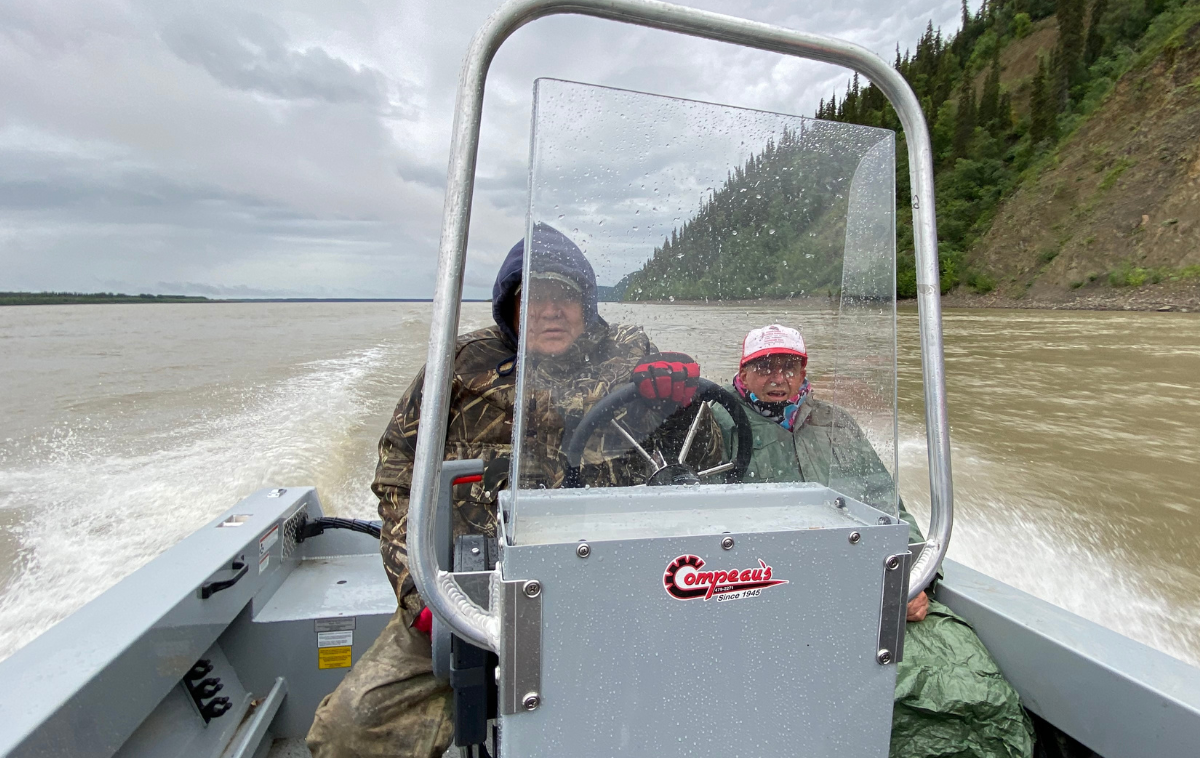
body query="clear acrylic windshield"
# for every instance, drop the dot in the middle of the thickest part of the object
(664, 231)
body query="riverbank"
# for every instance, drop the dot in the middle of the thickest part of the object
(1181, 297)
(77, 298)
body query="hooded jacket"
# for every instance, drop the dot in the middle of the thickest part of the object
(553, 253)
(482, 398)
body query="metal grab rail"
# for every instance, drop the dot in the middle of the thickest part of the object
(437, 588)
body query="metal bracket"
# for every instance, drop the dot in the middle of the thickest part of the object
(520, 646)
(893, 605)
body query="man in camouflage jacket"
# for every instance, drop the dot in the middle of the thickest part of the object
(390, 703)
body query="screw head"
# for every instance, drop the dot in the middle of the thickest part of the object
(532, 588)
(727, 543)
(854, 538)
(892, 563)
(532, 701)
(840, 502)
(884, 656)
(884, 520)
(474, 551)
(583, 550)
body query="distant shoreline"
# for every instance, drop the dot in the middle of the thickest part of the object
(1178, 299)
(106, 298)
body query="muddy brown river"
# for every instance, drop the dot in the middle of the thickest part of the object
(125, 427)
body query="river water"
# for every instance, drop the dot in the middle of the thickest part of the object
(126, 427)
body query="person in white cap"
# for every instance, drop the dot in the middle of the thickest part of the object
(772, 377)
(950, 695)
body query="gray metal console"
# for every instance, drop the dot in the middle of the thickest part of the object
(653, 602)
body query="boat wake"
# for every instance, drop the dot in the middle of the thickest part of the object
(88, 510)
(1006, 526)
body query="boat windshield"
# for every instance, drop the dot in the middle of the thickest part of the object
(758, 246)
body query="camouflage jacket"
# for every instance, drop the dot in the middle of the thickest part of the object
(560, 390)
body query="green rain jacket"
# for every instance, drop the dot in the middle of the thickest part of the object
(951, 699)
(828, 447)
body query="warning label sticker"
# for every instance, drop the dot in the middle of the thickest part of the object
(334, 639)
(333, 657)
(264, 562)
(267, 540)
(334, 624)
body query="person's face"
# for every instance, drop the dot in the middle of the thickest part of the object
(555, 317)
(774, 378)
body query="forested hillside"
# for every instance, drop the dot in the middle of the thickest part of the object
(1117, 204)
(775, 229)
(1038, 115)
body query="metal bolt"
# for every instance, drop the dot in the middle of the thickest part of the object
(884, 656)
(727, 543)
(533, 588)
(533, 700)
(884, 520)
(854, 538)
(474, 551)
(583, 550)
(892, 563)
(840, 502)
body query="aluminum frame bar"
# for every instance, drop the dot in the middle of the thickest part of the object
(436, 587)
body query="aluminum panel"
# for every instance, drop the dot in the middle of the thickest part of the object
(154, 626)
(1119, 697)
(627, 669)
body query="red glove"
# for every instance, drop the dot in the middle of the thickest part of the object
(424, 622)
(667, 376)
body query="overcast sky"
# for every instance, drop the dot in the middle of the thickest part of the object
(300, 148)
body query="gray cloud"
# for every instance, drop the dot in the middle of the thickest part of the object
(304, 149)
(249, 52)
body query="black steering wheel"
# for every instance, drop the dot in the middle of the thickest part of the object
(662, 472)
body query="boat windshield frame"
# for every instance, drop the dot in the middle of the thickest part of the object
(437, 587)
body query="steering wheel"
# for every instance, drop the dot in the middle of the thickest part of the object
(661, 472)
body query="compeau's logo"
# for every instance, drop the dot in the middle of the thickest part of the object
(685, 579)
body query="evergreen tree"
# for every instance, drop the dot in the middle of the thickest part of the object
(1095, 39)
(989, 99)
(1041, 107)
(853, 111)
(1068, 54)
(964, 123)
(960, 41)
(1004, 117)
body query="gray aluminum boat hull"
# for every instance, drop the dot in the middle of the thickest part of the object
(106, 681)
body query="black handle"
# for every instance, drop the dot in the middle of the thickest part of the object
(211, 588)
(216, 708)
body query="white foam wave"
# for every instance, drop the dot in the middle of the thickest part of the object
(1006, 527)
(88, 514)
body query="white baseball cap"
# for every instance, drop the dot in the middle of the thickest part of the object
(772, 340)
